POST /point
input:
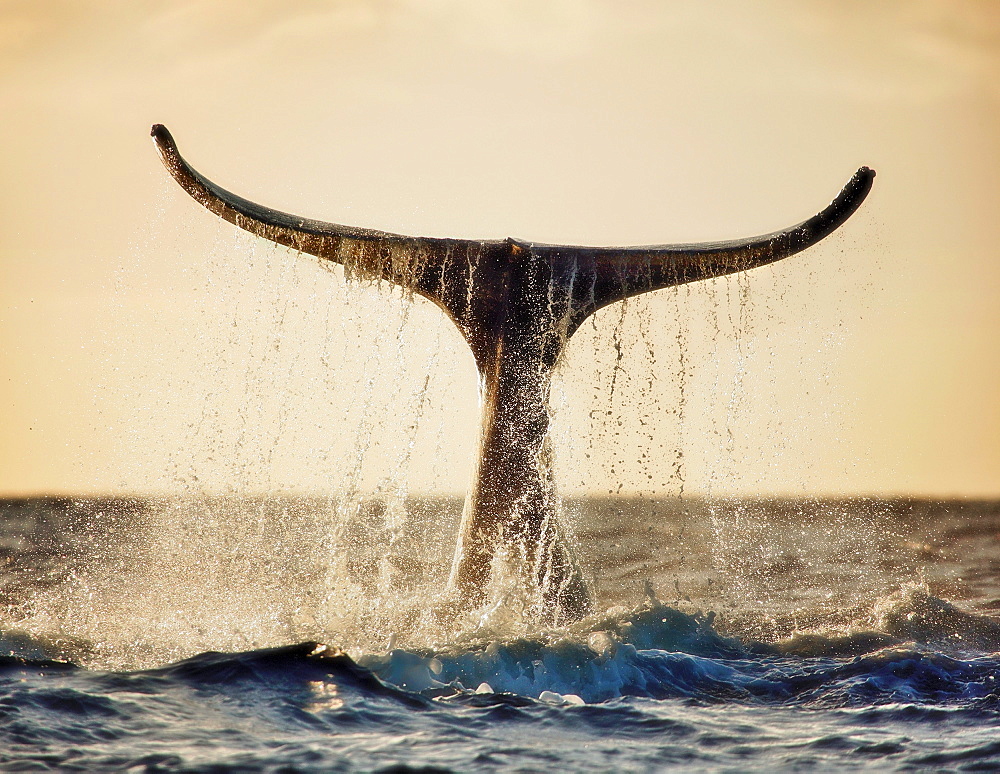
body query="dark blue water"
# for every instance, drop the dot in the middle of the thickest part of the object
(885, 672)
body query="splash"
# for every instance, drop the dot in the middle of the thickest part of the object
(135, 584)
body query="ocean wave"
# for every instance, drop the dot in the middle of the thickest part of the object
(659, 652)
(919, 648)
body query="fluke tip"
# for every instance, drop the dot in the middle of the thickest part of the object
(161, 136)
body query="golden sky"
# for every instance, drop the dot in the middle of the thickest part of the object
(146, 347)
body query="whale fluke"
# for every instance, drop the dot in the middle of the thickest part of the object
(516, 303)
(622, 272)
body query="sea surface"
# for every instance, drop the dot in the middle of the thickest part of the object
(284, 635)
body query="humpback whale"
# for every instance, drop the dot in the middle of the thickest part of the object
(516, 303)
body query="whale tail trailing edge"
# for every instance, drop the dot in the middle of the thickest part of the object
(517, 303)
(465, 277)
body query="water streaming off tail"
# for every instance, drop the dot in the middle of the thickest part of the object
(295, 409)
(712, 388)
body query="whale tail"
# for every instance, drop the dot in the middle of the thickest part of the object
(465, 277)
(516, 303)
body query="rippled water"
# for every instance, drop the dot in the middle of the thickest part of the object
(728, 636)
